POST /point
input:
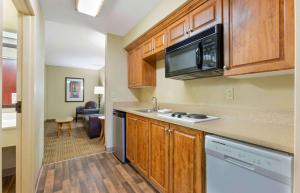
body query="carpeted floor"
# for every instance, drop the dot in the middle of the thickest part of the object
(65, 147)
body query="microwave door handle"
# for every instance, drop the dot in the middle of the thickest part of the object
(199, 56)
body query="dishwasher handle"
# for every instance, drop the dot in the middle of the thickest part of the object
(239, 163)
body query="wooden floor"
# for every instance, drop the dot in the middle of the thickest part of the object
(9, 184)
(100, 173)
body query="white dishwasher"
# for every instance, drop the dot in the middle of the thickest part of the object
(236, 167)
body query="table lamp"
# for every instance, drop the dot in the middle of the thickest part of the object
(99, 90)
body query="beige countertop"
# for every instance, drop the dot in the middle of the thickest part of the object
(268, 128)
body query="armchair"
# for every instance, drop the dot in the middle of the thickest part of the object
(89, 108)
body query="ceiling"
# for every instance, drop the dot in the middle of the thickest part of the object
(74, 46)
(77, 40)
(116, 16)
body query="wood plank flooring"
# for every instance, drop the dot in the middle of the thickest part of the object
(100, 173)
(9, 184)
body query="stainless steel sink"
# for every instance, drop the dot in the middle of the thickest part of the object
(145, 110)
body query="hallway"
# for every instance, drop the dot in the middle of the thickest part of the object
(99, 173)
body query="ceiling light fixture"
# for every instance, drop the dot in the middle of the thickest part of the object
(89, 7)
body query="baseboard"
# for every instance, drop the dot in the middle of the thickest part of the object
(8, 172)
(38, 177)
(109, 149)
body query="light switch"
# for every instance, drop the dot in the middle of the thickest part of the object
(229, 94)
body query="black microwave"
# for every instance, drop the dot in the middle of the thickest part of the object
(199, 56)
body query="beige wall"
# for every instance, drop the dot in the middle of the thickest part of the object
(297, 97)
(115, 81)
(10, 16)
(163, 9)
(268, 92)
(55, 90)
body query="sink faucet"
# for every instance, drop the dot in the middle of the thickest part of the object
(154, 102)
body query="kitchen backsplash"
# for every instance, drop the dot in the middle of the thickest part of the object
(275, 92)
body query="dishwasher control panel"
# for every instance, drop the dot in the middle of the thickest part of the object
(251, 155)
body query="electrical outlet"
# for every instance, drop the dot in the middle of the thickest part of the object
(229, 94)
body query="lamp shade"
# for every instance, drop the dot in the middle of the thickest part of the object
(99, 90)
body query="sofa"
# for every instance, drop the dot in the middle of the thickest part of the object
(92, 125)
(88, 109)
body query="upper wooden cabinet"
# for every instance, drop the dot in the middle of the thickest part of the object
(140, 72)
(205, 16)
(178, 31)
(259, 35)
(153, 49)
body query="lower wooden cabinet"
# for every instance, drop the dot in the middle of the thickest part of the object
(159, 155)
(142, 162)
(131, 137)
(171, 157)
(186, 160)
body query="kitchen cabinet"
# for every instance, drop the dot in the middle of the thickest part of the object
(171, 157)
(259, 36)
(159, 155)
(178, 31)
(153, 49)
(142, 163)
(140, 72)
(131, 137)
(205, 16)
(137, 142)
(186, 160)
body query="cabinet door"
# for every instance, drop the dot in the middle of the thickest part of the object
(159, 42)
(206, 16)
(159, 155)
(178, 31)
(148, 48)
(142, 126)
(139, 67)
(131, 138)
(186, 160)
(131, 61)
(259, 35)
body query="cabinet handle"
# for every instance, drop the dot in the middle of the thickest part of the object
(166, 130)
(153, 45)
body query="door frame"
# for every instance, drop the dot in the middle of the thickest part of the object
(24, 153)
(297, 100)
(1, 29)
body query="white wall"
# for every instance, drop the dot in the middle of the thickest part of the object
(297, 99)
(116, 81)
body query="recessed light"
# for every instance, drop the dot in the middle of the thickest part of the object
(89, 7)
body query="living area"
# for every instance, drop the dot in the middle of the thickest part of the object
(74, 92)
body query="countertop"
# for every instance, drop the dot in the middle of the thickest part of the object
(268, 128)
